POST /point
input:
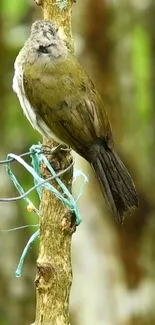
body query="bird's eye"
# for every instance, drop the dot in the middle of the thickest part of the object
(43, 49)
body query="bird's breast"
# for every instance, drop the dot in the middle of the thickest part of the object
(35, 120)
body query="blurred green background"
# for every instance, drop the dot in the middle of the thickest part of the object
(113, 266)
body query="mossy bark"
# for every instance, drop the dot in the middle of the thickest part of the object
(54, 272)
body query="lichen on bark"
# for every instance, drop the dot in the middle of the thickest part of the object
(54, 273)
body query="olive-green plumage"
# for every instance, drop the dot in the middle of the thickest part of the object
(61, 102)
(68, 104)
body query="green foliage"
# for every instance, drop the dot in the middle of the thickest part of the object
(141, 71)
(14, 10)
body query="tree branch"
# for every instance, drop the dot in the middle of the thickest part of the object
(54, 273)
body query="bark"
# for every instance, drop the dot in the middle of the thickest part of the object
(54, 273)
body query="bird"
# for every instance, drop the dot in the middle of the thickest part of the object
(61, 103)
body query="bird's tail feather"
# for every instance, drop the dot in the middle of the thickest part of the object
(115, 181)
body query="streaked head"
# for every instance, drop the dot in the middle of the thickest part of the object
(48, 39)
(44, 28)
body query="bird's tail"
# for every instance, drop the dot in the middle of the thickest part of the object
(115, 181)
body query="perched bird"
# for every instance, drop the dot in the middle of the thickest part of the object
(61, 102)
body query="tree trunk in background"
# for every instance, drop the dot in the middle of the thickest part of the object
(116, 263)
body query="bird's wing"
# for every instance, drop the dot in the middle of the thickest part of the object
(66, 100)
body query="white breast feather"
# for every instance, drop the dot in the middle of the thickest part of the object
(36, 122)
